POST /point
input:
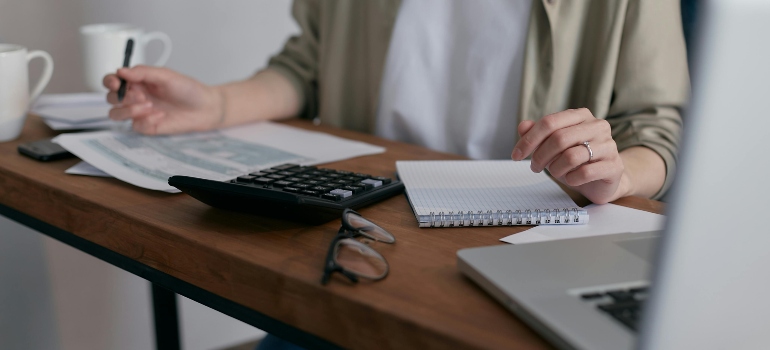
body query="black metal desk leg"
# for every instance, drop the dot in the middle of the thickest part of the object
(166, 318)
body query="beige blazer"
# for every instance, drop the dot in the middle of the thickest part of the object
(624, 60)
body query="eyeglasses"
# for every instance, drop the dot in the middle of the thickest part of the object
(355, 259)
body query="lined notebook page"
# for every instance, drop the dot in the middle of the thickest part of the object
(478, 185)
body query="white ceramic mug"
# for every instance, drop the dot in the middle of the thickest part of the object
(15, 96)
(104, 46)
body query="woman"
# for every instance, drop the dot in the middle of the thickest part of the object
(475, 78)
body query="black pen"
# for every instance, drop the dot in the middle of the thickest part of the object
(126, 62)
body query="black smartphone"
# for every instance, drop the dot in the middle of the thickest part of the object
(44, 150)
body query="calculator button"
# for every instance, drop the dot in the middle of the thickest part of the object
(331, 197)
(323, 178)
(385, 180)
(285, 173)
(341, 182)
(589, 296)
(332, 175)
(274, 176)
(302, 186)
(281, 183)
(354, 189)
(310, 193)
(291, 189)
(263, 180)
(323, 189)
(285, 167)
(294, 179)
(352, 178)
(365, 185)
(342, 193)
(313, 182)
(245, 178)
(269, 171)
(373, 182)
(303, 169)
(362, 175)
(315, 173)
(343, 172)
(305, 176)
(259, 174)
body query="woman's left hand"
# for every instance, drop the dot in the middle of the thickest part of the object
(556, 144)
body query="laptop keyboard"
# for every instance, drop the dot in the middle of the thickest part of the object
(624, 305)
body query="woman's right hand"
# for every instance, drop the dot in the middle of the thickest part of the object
(161, 101)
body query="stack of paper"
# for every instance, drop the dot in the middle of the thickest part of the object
(74, 111)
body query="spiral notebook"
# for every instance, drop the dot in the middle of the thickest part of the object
(485, 193)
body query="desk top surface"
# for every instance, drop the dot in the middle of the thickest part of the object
(275, 266)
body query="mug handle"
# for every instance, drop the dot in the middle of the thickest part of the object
(47, 72)
(165, 39)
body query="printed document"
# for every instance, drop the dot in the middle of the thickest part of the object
(148, 161)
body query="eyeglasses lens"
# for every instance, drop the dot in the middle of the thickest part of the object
(369, 228)
(360, 259)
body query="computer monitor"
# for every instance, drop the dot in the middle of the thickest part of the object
(714, 257)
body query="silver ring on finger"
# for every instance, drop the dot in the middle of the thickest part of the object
(590, 151)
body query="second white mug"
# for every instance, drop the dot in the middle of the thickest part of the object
(104, 45)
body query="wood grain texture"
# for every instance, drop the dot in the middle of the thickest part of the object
(274, 266)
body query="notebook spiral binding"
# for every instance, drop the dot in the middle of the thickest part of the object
(565, 216)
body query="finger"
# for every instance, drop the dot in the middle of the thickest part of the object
(149, 124)
(576, 156)
(112, 98)
(595, 131)
(525, 126)
(544, 127)
(131, 111)
(111, 82)
(136, 94)
(145, 74)
(522, 129)
(590, 172)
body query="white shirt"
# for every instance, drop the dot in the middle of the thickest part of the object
(453, 74)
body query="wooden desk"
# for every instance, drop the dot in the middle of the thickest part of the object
(265, 271)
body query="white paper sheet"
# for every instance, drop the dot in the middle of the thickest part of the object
(86, 169)
(72, 108)
(605, 219)
(220, 155)
(98, 124)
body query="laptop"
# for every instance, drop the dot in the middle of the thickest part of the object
(702, 282)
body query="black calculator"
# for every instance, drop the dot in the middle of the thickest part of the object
(300, 193)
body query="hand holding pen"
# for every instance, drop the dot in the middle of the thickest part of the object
(162, 101)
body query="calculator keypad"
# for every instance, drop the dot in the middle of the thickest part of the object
(330, 184)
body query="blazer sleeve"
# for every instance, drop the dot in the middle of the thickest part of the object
(652, 82)
(298, 60)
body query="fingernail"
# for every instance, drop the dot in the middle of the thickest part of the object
(516, 154)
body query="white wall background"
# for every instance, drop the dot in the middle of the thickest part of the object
(214, 41)
(55, 297)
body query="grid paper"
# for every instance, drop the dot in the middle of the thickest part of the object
(478, 185)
